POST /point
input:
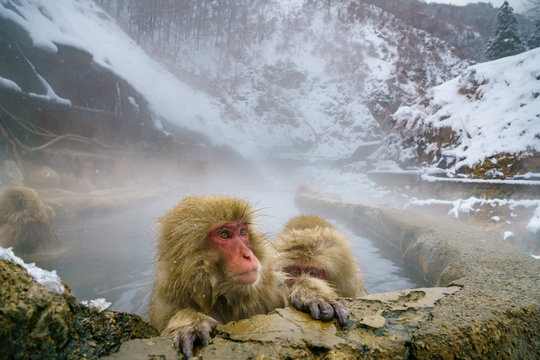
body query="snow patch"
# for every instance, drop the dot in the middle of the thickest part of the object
(8, 84)
(49, 279)
(99, 304)
(534, 224)
(466, 206)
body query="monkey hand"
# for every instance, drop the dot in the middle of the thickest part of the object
(316, 297)
(187, 326)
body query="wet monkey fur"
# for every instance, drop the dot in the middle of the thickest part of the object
(309, 245)
(25, 224)
(214, 266)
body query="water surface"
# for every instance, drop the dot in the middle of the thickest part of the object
(111, 254)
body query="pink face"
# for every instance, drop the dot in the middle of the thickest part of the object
(231, 240)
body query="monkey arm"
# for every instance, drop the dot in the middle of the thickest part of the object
(315, 296)
(188, 325)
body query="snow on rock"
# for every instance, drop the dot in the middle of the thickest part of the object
(8, 84)
(471, 204)
(462, 206)
(49, 279)
(99, 304)
(491, 108)
(508, 234)
(534, 224)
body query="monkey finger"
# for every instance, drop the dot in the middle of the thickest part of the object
(187, 345)
(342, 313)
(297, 304)
(205, 337)
(314, 309)
(327, 312)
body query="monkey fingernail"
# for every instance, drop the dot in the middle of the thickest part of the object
(342, 313)
(314, 310)
(327, 312)
(343, 319)
(187, 345)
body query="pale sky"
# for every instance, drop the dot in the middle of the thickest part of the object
(518, 5)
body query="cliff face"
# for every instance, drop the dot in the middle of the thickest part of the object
(67, 92)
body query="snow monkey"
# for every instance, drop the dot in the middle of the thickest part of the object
(214, 266)
(310, 246)
(24, 222)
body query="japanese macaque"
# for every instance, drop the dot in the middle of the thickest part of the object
(25, 224)
(309, 246)
(214, 266)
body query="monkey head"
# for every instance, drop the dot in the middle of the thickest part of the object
(304, 252)
(214, 235)
(311, 246)
(25, 223)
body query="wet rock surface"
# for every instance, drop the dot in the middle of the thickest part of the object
(39, 324)
(380, 327)
(495, 315)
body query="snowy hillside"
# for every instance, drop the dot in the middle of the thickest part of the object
(486, 121)
(317, 84)
(83, 25)
(323, 77)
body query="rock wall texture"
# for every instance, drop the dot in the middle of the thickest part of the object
(38, 324)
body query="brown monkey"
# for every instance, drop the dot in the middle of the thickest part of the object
(24, 222)
(213, 266)
(311, 246)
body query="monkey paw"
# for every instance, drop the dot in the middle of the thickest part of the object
(316, 297)
(186, 327)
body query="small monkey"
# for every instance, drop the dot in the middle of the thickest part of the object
(214, 266)
(311, 246)
(24, 222)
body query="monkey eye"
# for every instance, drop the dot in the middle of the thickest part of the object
(224, 235)
(243, 232)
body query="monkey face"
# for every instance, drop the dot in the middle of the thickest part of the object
(231, 241)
